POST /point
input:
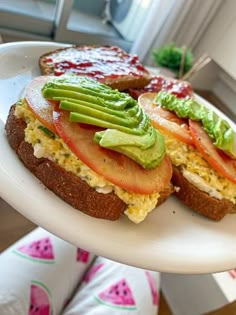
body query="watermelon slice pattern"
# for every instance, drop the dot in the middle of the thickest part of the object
(82, 255)
(91, 272)
(39, 299)
(38, 251)
(118, 295)
(153, 289)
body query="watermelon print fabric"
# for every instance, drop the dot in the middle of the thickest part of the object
(35, 265)
(42, 274)
(118, 295)
(153, 288)
(39, 299)
(91, 272)
(82, 255)
(117, 289)
(38, 251)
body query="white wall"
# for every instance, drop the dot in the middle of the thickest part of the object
(219, 41)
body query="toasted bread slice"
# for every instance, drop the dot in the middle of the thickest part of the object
(66, 185)
(200, 201)
(109, 65)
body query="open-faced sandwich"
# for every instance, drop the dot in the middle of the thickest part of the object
(202, 149)
(91, 145)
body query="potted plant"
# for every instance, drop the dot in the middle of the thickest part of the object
(177, 60)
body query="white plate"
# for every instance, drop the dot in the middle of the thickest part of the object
(171, 239)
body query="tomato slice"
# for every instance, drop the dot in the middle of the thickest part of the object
(165, 120)
(218, 160)
(41, 108)
(113, 166)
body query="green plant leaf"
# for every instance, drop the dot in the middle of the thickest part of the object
(170, 56)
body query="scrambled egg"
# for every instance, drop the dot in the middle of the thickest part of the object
(53, 148)
(197, 171)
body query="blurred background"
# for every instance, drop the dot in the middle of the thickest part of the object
(138, 26)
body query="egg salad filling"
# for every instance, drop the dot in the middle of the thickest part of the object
(197, 171)
(49, 145)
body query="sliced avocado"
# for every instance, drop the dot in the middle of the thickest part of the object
(184, 108)
(128, 129)
(220, 131)
(87, 88)
(147, 158)
(85, 119)
(74, 106)
(112, 138)
(99, 113)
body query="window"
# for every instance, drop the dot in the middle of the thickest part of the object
(131, 24)
(83, 22)
(76, 22)
(33, 17)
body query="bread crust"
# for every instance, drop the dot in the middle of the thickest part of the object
(66, 185)
(200, 201)
(121, 82)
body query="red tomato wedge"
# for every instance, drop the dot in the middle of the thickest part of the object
(218, 160)
(113, 166)
(41, 108)
(165, 120)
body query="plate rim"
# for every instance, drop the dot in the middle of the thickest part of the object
(187, 269)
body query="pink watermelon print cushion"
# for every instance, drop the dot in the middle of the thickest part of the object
(39, 299)
(82, 255)
(38, 251)
(91, 272)
(118, 295)
(153, 288)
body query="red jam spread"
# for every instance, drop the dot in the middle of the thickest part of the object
(180, 89)
(98, 62)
